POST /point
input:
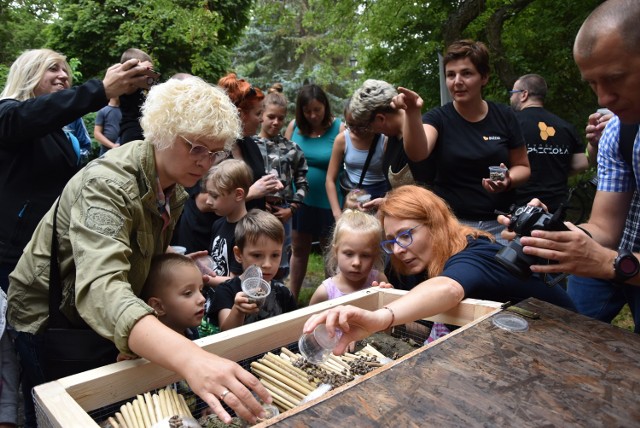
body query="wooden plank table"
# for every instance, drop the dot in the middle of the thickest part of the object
(566, 370)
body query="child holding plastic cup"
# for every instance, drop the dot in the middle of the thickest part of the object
(354, 255)
(258, 241)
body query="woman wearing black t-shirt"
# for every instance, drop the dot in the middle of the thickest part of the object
(467, 136)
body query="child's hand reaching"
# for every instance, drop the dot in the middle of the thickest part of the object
(381, 284)
(245, 304)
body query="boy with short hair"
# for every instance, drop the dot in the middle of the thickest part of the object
(174, 290)
(258, 241)
(227, 186)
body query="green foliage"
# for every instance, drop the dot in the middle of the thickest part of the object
(191, 36)
(299, 41)
(21, 27)
(285, 42)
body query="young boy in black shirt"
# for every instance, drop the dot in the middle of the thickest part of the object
(258, 241)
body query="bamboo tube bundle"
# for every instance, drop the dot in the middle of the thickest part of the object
(290, 378)
(147, 410)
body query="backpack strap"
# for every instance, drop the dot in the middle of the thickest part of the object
(627, 139)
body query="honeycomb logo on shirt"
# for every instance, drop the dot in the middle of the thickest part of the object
(546, 131)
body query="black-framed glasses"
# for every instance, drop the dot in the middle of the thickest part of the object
(200, 152)
(516, 91)
(403, 239)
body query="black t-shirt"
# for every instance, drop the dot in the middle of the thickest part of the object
(252, 156)
(482, 277)
(221, 249)
(551, 143)
(279, 301)
(465, 151)
(193, 230)
(130, 104)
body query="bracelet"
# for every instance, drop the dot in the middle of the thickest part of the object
(393, 317)
(293, 208)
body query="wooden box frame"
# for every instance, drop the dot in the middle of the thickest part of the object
(65, 402)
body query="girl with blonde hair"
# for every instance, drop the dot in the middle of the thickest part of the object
(353, 256)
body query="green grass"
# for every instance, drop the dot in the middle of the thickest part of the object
(315, 275)
(624, 319)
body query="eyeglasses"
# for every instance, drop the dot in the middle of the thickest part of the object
(515, 91)
(403, 239)
(200, 152)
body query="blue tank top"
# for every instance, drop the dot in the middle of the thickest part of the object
(317, 152)
(354, 160)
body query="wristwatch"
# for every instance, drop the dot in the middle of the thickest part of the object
(626, 266)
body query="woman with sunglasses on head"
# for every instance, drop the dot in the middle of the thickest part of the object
(111, 219)
(248, 100)
(314, 129)
(467, 136)
(351, 148)
(452, 261)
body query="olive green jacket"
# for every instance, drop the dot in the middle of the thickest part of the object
(109, 227)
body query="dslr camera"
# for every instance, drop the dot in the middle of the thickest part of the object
(525, 219)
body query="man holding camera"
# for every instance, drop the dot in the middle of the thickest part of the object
(607, 52)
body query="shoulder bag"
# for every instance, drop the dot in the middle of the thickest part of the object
(347, 185)
(67, 349)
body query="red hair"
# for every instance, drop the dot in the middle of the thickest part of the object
(242, 93)
(447, 235)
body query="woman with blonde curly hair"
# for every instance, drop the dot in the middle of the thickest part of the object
(111, 219)
(455, 261)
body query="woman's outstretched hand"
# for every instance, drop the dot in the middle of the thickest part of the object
(355, 323)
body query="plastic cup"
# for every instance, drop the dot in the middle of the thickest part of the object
(206, 265)
(256, 288)
(179, 249)
(497, 173)
(362, 198)
(316, 347)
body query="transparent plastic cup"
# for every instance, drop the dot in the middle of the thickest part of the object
(206, 265)
(497, 173)
(363, 197)
(179, 249)
(257, 289)
(316, 346)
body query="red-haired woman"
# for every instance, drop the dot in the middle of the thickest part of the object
(455, 261)
(248, 99)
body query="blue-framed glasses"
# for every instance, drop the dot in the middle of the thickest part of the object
(516, 91)
(200, 152)
(403, 239)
